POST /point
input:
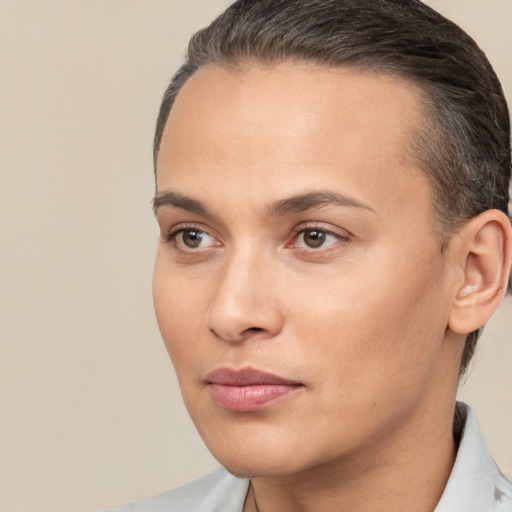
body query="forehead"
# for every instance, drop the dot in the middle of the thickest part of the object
(294, 126)
(296, 96)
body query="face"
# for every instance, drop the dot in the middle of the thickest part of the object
(299, 286)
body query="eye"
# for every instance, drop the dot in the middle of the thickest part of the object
(191, 238)
(315, 238)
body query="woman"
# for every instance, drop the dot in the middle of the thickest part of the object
(331, 190)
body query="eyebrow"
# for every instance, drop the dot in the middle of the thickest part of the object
(312, 200)
(177, 200)
(294, 204)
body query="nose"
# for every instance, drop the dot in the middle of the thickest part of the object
(245, 304)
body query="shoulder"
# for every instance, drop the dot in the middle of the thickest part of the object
(217, 492)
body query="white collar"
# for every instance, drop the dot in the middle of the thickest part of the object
(475, 484)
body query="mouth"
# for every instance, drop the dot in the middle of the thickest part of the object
(248, 389)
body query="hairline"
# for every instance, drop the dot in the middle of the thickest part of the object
(410, 144)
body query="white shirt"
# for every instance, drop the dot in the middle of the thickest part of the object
(475, 484)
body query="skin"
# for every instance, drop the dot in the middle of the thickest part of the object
(360, 321)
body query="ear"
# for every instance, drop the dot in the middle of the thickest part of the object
(483, 253)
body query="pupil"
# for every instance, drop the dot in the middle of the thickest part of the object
(192, 238)
(314, 238)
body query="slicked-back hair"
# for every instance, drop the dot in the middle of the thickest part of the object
(463, 146)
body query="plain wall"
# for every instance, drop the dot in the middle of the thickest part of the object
(90, 413)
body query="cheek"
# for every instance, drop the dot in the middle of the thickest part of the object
(179, 315)
(379, 326)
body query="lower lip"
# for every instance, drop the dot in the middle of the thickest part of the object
(249, 398)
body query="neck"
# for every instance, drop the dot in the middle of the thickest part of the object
(407, 471)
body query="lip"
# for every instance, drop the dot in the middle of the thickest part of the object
(248, 389)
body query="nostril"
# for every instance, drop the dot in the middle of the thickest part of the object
(234, 319)
(246, 333)
(253, 332)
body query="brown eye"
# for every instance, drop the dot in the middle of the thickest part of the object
(314, 238)
(193, 238)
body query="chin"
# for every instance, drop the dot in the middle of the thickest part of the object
(261, 461)
(257, 469)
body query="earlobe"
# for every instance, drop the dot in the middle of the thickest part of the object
(484, 255)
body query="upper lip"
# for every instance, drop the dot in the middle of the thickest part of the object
(246, 377)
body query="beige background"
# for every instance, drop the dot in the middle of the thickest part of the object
(90, 414)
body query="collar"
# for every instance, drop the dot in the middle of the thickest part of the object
(475, 483)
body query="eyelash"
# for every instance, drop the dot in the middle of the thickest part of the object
(171, 236)
(300, 230)
(175, 231)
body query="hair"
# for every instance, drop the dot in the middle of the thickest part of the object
(463, 146)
